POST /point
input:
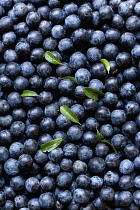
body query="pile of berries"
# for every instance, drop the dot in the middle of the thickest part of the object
(82, 173)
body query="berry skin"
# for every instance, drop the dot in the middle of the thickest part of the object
(137, 139)
(11, 167)
(44, 11)
(91, 123)
(125, 9)
(9, 38)
(81, 195)
(21, 83)
(119, 141)
(97, 38)
(125, 198)
(64, 197)
(96, 182)
(130, 74)
(101, 149)
(30, 146)
(17, 183)
(129, 24)
(85, 12)
(56, 16)
(105, 12)
(12, 69)
(72, 22)
(126, 166)
(24, 162)
(128, 40)
(19, 9)
(102, 114)
(66, 87)
(56, 155)
(118, 117)
(33, 204)
(106, 130)
(4, 107)
(98, 71)
(70, 8)
(70, 150)
(17, 128)
(85, 153)
(112, 85)
(112, 35)
(75, 133)
(10, 55)
(112, 160)
(58, 32)
(94, 54)
(99, 204)
(78, 110)
(62, 121)
(129, 128)
(83, 76)
(79, 37)
(127, 90)
(49, 44)
(126, 182)
(9, 205)
(47, 184)
(89, 138)
(96, 165)
(16, 149)
(83, 181)
(123, 59)
(117, 21)
(79, 167)
(64, 179)
(77, 60)
(131, 151)
(136, 197)
(110, 51)
(2, 198)
(65, 45)
(4, 154)
(21, 29)
(135, 52)
(32, 185)
(46, 200)
(111, 178)
(137, 9)
(51, 169)
(107, 194)
(51, 110)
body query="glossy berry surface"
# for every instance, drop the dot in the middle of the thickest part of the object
(97, 164)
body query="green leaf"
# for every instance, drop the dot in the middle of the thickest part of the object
(71, 78)
(92, 93)
(66, 111)
(106, 64)
(99, 136)
(51, 58)
(51, 145)
(28, 93)
(114, 149)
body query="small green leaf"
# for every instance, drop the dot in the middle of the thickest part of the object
(28, 93)
(51, 58)
(66, 111)
(106, 64)
(71, 78)
(99, 136)
(51, 145)
(92, 93)
(114, 149)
